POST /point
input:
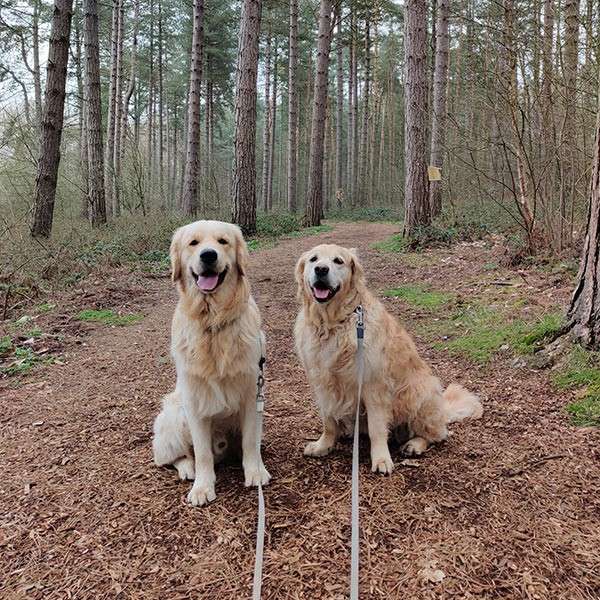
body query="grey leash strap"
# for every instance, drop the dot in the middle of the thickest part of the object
(355, 543)
(260, 525)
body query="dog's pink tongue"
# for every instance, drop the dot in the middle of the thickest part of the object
(321, 294)
(207, 283)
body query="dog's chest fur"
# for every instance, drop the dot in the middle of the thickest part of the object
(330, 363)
(217, 353)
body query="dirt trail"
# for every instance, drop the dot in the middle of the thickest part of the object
(85, 514)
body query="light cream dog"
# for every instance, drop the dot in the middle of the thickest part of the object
(216, 343)
(399, 387)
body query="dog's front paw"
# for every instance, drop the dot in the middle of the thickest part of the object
(317, 448)
(254, 476)
(414, 447)
(201, 494)
(382, 464)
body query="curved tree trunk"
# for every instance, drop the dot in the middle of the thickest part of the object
(96, 200)
(314, 201)
(244, 161)
(416, 193)
(52, 120)
(191, 177)
(440, 90)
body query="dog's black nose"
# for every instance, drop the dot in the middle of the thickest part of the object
(209, 256)
(321, 271)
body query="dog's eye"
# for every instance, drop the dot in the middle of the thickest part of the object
(223, 241)
(194, 243)
(338, 261)
(313, 259)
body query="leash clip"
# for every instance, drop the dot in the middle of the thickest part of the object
(360, 322)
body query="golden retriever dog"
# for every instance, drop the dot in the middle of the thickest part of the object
(398, 385)
(216, 344)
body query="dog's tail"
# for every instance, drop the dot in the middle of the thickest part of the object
(461, 404)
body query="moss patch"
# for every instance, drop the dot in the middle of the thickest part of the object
(395, 243)
(416, 295)
(109, 317)
(582, 372)
(482, 332)
(310, 231)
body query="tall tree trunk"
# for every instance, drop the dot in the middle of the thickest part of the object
(112, 105)
(351, 101)
(314, 200)
(416, 197)
(37, 76)
(118, 117)
(192, 163)
(82, 141)
(273, 127)
(96, 202)
(132, 75)
(583, 312)
(244, 162)
(292, 169)
(440, 93)
(161, 111)
(547, 116)
(339, 126)
(364, 158)
(150, 120)
(52, 120)
(569, 135)
(268, 125)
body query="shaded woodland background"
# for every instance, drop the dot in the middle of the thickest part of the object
(354, 100)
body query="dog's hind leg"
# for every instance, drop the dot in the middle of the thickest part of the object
(378, 417)
(326, 442)
(185, 468)
(171, 439)
(428, 423)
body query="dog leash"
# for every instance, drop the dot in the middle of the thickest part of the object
(260, 525)
(355, 544)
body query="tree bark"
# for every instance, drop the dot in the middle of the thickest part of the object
(416, 196)
(440, 93)
(292, 170)
(52, 120)
(192, 163)
(314, 201)
(244, 162)
(95, 178)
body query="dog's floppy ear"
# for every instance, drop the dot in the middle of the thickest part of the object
(358, 273)
(175, 254)
(299, 270)
(241, 252)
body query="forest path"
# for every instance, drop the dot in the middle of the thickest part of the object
(507, 508)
